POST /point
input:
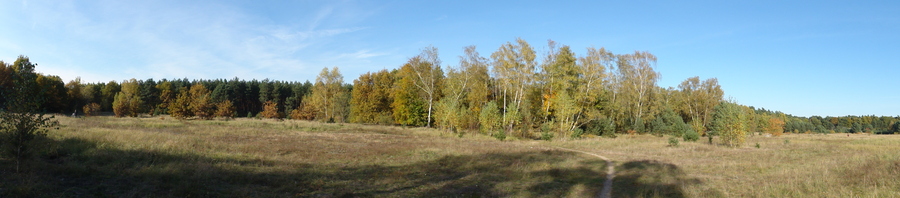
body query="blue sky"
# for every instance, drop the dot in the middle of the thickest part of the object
(805, 58)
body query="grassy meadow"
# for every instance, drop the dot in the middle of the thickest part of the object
(162, 157)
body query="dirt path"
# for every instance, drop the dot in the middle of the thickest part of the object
(606, 192)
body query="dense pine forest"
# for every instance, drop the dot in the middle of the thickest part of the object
(515, 91)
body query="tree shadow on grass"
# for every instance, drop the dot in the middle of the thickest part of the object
(649, 178)
(80, 168)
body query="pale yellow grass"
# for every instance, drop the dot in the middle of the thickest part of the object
(163, 157)
(793, 165)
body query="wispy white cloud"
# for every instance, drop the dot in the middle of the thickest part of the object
(320, 15)
(144, 40)
(361, 54)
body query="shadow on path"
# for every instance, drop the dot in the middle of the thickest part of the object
(649, 178)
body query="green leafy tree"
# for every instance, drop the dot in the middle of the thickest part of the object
(149, 95)
(636, 85)
(91, 109)
(479, 86)
(559, 75)
(697, 100)
(329, 99)
(201, 102)
(514, 68)
(108, 95)
(489, 117)
(728, 123)
(591, 94)
(409, 108)
(128, 101)
(167, 95)
(225, 109)
(6, 82)
(54, 91)
(73, 90)
(428, 75)
(446, 114)
(466, 89)
(180, 107)
(21, 119)
(371, 98)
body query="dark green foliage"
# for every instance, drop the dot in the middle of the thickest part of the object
(546, 127)
(22, 120)
(489, 117)
(856, 128)
(658, 127)
(108, 95)
(673, 141)
(546, 136)
(501, 135)
(601, 127)
(669, 123)
(577, 133)
(638, 125)
(149, 95)
(691, 136)
(728, 121)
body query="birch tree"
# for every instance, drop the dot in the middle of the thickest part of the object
(636, 83)
(466, 90)
(329, 98)
(514, 67)
(560, 78)
(698, 99)
(428, 73)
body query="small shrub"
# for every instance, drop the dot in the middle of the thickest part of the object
(576, 134)
(500, 135)
(673, 141)
(601, 127)
(545, 127)
(225, 109)
(757, 145)
(546, 136)
(91, 109)
(270, 110)
(691, 136)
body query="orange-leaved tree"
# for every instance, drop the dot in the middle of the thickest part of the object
(127, 102)
(201, 102)
(776, 126)
(270, 110)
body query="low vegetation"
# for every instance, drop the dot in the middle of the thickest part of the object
(165, 157)
(792, 165)
(140, 157)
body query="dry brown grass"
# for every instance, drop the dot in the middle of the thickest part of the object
(793, 165)
(139, 157)
(152, 157)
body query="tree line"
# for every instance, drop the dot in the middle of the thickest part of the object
(514, 91)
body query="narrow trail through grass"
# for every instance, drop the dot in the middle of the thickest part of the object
(162, 157)
(606, 192)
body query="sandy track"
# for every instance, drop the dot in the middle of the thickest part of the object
(606, 192)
